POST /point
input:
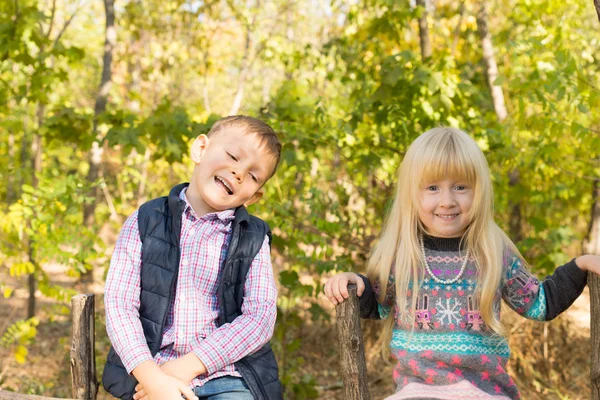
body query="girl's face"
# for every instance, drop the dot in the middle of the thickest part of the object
(445, 206)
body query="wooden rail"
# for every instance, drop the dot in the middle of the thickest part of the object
(352, 349)
(83, 355)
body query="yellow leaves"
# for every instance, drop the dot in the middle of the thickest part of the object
(61, 207)
(20, 334)
(8, 292)
(21, 354)
(22, 268)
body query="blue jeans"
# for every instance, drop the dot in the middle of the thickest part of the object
(224, 388)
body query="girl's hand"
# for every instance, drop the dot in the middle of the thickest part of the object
(589, 262)
(336, 288)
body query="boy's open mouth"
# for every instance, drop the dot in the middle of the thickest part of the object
(224, 185)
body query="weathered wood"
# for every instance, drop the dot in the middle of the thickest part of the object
(83, 355)
(4, 395)
(594, 283)
(352, 349)
(593, 247)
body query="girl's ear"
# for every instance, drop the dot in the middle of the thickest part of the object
(198, 148)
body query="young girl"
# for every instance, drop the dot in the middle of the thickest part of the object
(439, 271)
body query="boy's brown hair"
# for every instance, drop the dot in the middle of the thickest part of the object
(266, 135)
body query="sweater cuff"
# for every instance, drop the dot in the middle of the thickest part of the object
(563, 287)
(575, 273)
(213, 357)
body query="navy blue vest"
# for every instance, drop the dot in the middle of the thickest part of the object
(159, 223)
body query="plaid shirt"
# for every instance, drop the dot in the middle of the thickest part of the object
(191, 323)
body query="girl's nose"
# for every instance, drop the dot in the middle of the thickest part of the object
(447, 199)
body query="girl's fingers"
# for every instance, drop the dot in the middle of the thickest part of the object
(331, 288)
(360, 286)
(342, 285)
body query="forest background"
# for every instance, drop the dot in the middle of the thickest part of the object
(99, 103)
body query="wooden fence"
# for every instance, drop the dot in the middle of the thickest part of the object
(83, 355)
(351, 346)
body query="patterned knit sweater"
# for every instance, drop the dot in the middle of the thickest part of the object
(451, 353)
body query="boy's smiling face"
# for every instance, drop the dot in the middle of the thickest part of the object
(231, 168)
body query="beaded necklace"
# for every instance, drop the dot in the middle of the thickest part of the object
(435, 278)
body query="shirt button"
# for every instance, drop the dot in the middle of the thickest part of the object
(182, 298)
(192, 232)
(184, 263)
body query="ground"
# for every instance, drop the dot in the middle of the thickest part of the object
(549, 361)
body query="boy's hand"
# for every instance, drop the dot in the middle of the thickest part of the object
(184, 368)
(164, 387)
(336, 288)
(589, 262)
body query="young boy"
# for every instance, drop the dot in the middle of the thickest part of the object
(190, 295)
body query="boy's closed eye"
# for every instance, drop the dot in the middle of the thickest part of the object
(234, 158)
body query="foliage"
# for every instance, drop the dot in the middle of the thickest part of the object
(344, 85)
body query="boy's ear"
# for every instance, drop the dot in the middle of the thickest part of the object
(199, 147)
(255, 197)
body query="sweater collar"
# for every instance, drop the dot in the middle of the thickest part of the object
(443, 244)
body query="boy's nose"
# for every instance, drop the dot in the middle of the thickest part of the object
(238, 177)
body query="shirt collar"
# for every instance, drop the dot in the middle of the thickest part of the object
(225, 216)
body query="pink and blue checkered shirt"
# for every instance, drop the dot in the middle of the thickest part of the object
(192, 320)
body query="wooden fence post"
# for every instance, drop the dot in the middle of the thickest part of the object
(352, 349)
(83, 355)
(594, 284)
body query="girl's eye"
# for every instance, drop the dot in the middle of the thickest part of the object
(234, 158)
(254, 178)
(460, 187)
(432, 188)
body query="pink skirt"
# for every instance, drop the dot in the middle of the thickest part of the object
(462, 390)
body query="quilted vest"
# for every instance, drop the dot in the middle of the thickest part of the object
(159, 223)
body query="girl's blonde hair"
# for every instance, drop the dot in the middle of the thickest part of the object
(439, 154)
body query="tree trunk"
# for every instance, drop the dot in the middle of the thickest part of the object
(515, 224)
(593, 247)
(36, 167)
(12, 167)
(141, 194)
(424, 30)
(24, 158)
(490, 62)
(96, 152)
(244, 70)
(597, 5)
